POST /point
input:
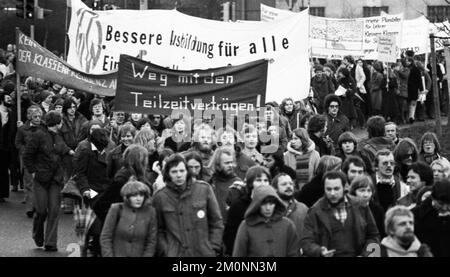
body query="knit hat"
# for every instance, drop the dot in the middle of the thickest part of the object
(441, 191)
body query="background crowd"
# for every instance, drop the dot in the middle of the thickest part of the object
(298, 183)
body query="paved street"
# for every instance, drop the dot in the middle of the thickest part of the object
(15, 231)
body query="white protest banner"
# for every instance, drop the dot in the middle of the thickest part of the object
(384, 25)
(335, 38)
(270, 14)
(442, 31)
(171, 39)
(387, 49)
(415, 35)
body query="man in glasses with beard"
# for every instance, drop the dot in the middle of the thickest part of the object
(295, 211)
(401, 240)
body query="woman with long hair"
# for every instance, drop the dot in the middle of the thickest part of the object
(314, 190)
(195, 167)
(363, 189)
(405, 154)
(430, 148)
(301, 156)
(135, 161)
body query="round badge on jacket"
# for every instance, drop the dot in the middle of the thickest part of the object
(201, 214)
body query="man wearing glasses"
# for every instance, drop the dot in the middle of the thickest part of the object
(387, 185)
(338, 123)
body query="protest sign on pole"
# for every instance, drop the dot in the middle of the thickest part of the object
(387, 49)
(143, 87)
(178, 41)
(270, 14)
(34, 60)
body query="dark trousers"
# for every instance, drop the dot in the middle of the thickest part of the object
(4, 175)
(47, 202)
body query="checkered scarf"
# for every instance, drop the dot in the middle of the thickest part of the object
(340, 211)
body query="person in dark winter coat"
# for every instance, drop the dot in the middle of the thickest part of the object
(223, 177)
(188, 215)
(377, 140)
(377, 84)
(293, 115)
(419, 181)
(7, 125)
(362, 188)
(114, 159)
(71, 131)
(275, 163)
(348, 83)
(265, 232)
(414, 87)
(337, 122)
(348, 146)
(317, 127)
(321, 86)
(313, 190)
(42, 157)
(432, 220)
(401, 241)
(256, 176)
(90, 163)
(130, 228)
(338, 225)
(405, 154)
(133, 167)
(295, 211)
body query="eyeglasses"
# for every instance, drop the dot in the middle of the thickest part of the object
(334, 106)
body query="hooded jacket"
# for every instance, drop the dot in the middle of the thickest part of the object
(390, 248)
(261, 237)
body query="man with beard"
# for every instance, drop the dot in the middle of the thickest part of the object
(401, 240)
(6, 142)
(157, 123)
(226, 139)
(388, 188)
(203, 144)
(321, 86)
(295, 211)
(432, 219)
(337, 225)
(224, 176)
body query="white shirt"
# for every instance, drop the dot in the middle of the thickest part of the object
(4, 115)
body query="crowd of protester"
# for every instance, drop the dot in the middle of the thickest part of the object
(175, 186)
